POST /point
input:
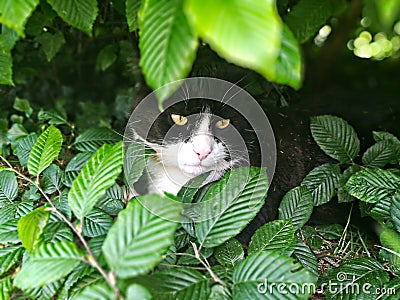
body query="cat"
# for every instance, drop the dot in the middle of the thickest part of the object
(194, 137)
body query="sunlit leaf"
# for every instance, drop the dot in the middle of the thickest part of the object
(78, 13)
(98, 174)
(245, 33)
(30, 227)
(167, 44)
(132, 8)
(14, 13)
(141, 235)
(45, 150)
(48, 263)
(289, 64)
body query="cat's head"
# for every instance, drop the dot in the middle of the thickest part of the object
(197, 136)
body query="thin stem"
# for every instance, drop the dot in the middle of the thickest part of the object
(206, 264)
(92, 260)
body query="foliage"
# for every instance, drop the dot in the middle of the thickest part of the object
(169, 33)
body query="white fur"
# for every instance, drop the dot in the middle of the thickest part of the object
(176, 164)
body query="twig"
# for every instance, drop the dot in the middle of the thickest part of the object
(91, 258)
(206, 264)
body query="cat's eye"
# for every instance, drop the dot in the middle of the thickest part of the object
(221, 124)
(178, 119)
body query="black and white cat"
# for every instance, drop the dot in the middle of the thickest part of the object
(194, 137)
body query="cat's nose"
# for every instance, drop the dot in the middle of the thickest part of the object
(202, 153)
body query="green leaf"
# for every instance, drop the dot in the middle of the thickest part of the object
(275, 235)
(305, 256)
(139, 237)
(96, 222)
(74, 167)
(23, 148)
(390, 239)
(48, 263)
(98, 174)
(136, 291)
(229, 253)
(112, 203)
(80, 14)
(343, 195)
(310, 236)
(57, 232)
(189, 256)
(395, 211)
(259, 275)
(360, 272)
(288, 64)
(220, 292)
(307, 17)
(9, 232)
(297, 205)
(176, 283)
(385, 136)
(372, 185)
(6, 67)
(331, 231)
(167, 44)
(239, 32)
(61, 203)
(51, 43)
(230, 205)
(91, 279)
(9, 256)
(322, 182)
(379, 154)
(51, 179)
(53, 117)
(6, 287)
(47, 291)
(335, 137)
(16, 131)
(14, 13)
(392, 288)
(8, 186)
(94, 138)
(99, 291)
(134, 162)
(23, 105)
(106, 57)
(132, 8)
(30, 227)
(45, 150)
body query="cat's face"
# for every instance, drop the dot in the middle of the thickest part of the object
(198, 136)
